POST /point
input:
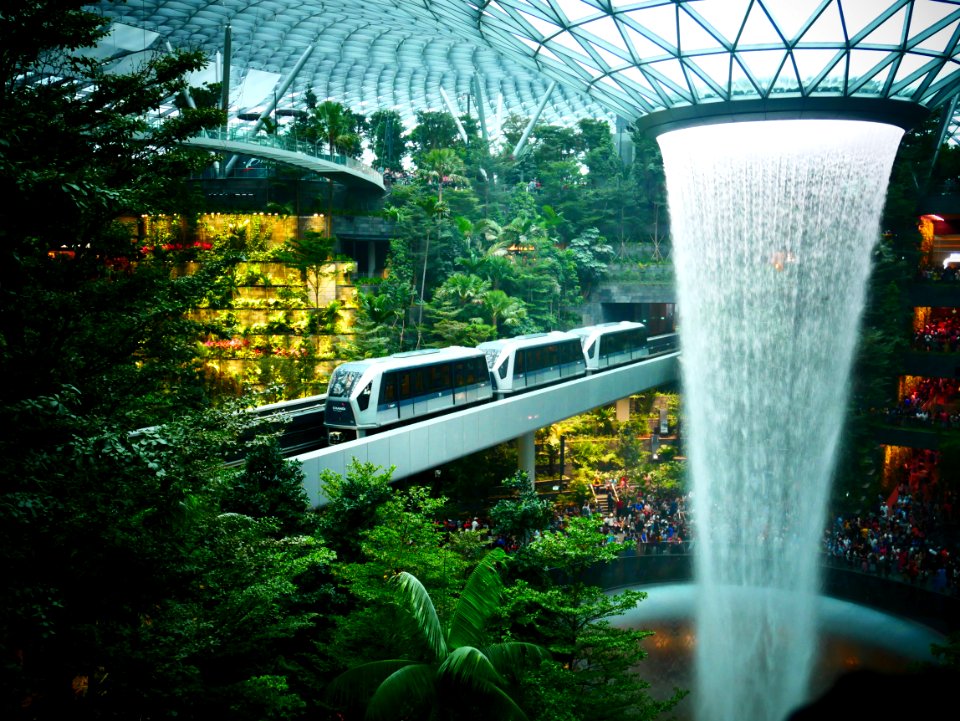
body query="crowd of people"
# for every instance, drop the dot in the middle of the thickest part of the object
(932, 402)
(912, 536)
(950, 274)
(903, 538)
(396, 177)
(655, 523)
(939, 334)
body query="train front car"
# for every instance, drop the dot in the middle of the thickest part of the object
(608, 345)
(381, 392)
(342, 410)
(532, 361)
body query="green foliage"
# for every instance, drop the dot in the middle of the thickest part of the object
(77, 154)
(311, 254)
(455, 668)
(387, 143)
(433, 131)
(122, 566)
(577, 547)
(593, 674)
(269, 486)
(590, 253)
(352, 501)
(523, 515)
(948, 653)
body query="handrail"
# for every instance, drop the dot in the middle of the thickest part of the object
(283, 142)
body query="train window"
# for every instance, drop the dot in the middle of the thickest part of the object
(388, 388)
(418, 381)
(480, 374)
(403, 378)
(363, 400)
(592, 349)
(469, 372)
(438, 378)
(628, 340)
(520, 362)
(502, 370)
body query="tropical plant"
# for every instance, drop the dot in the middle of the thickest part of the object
(311, 255)
(335, 126)
(456, 665)
(386, 128)
(442, 165)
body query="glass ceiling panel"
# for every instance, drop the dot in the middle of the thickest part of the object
(908, 65)
(890, 32)
(857, 14)
(927, 13)
(642, 45)
(636, 76)
(568, 41)
(940, 41)
(660, 20)
(865, 62)
(786, 83)
(740, 83)
(827, 28)
(610, 59)
(726, 18)
(575, 10)
(693, 36)
(763, 65)
(792, 17)
(546, 29)
(949, 69)
(759, 30)
(810, 63)
(606, 29)
(716, 67)
(671, 70)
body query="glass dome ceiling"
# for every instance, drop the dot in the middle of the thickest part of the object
(609, 57)
(640, 57)
(369, 55)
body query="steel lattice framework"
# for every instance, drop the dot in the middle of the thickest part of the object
(627, 58)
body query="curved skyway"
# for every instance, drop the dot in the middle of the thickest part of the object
(298, 153)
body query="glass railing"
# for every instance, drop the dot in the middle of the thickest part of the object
(289, 144)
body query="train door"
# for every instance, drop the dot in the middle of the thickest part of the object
(388, 410)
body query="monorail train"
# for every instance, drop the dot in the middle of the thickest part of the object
(612, 344)
(530, 361)
(381, 392)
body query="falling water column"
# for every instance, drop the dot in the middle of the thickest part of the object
(773, 224)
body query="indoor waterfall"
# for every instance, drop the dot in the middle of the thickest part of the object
(773, 225)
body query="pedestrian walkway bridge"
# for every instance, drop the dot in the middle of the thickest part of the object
(298, 153)
(426, 445)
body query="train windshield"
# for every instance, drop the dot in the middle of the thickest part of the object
(342, 382)
(492, 354)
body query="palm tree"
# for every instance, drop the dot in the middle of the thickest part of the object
(442, 164)
(504, 309)
(462, 289)
(334, 126)
(460, 668)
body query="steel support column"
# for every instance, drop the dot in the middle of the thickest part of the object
(522, 143)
